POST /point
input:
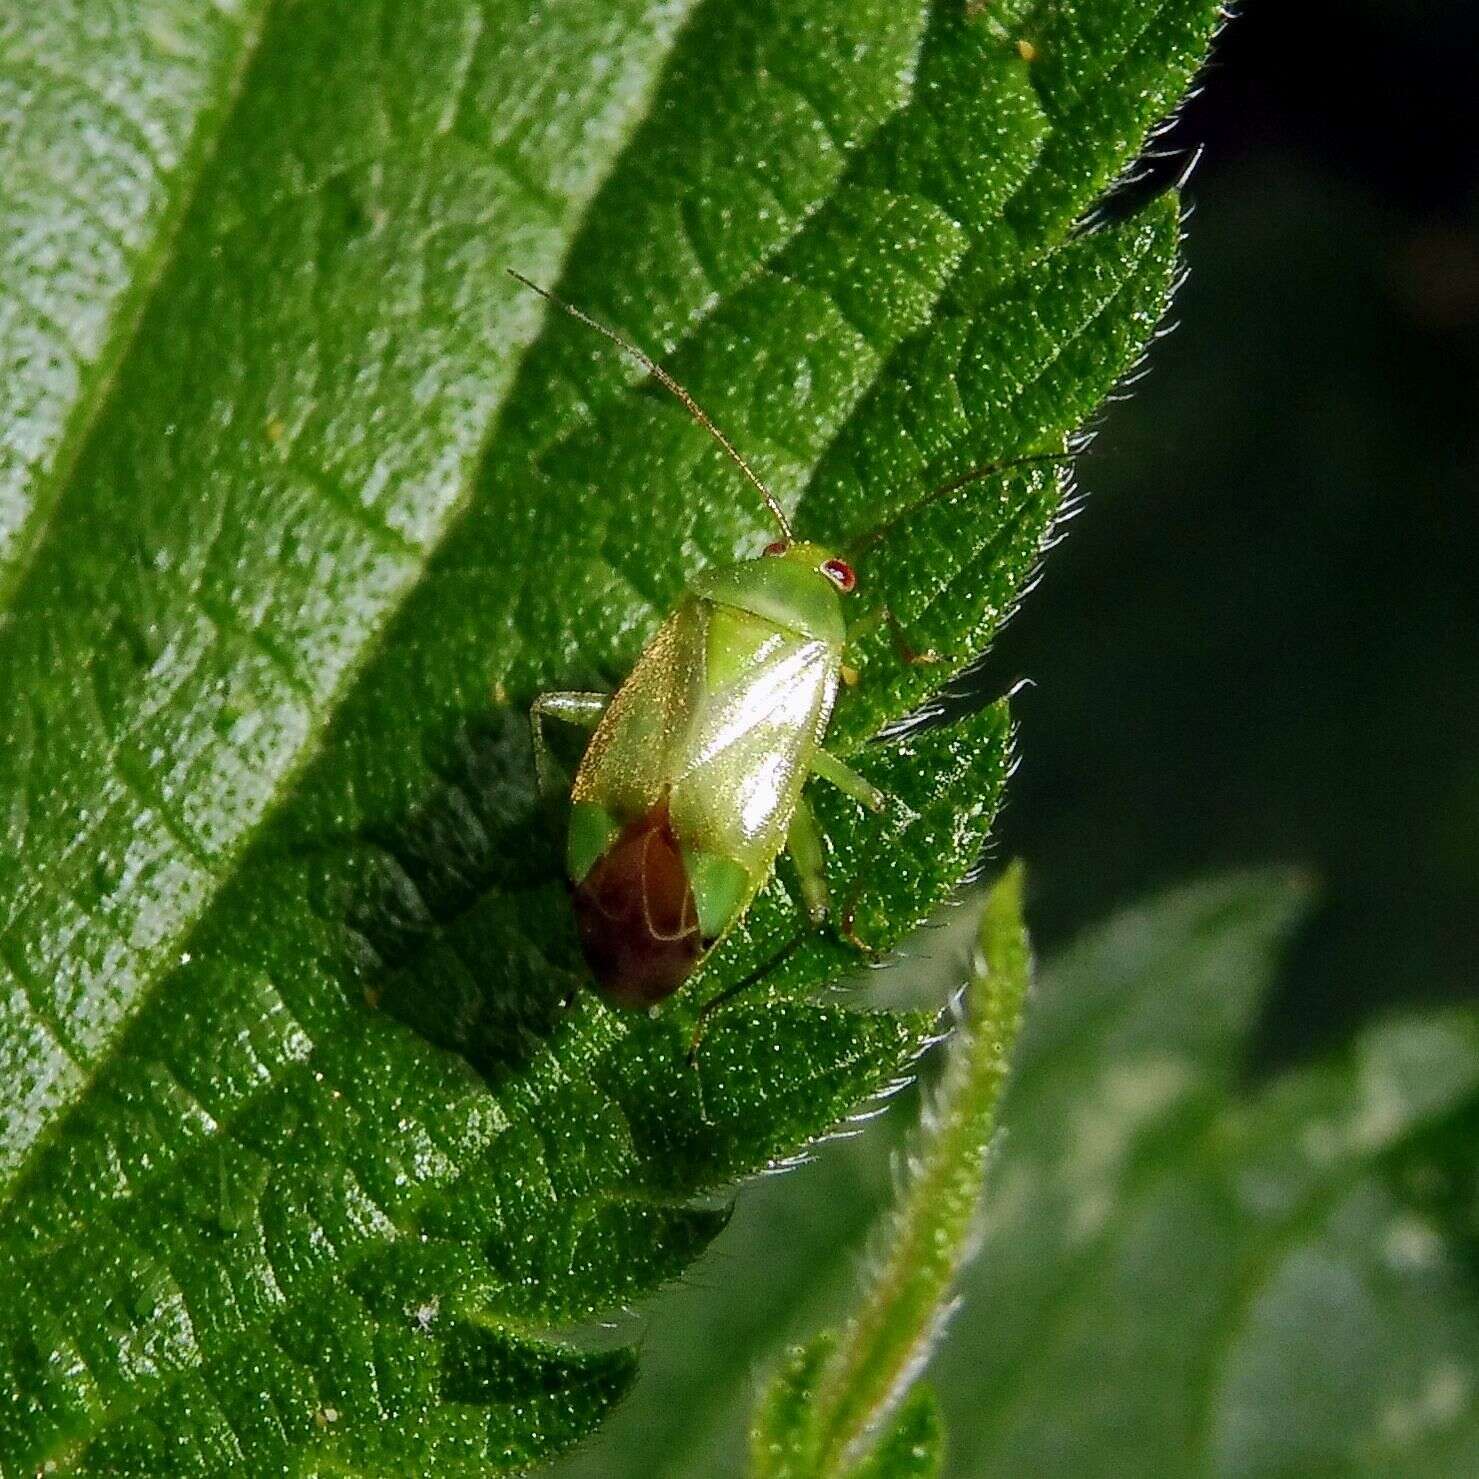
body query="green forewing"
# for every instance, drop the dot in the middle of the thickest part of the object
(592, 830)
(625, 766)
(721, 715)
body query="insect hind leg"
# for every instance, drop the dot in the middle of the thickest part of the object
(743, 984)
(888, 806)
(804, 843)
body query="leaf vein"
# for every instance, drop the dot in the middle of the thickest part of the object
(389, 539)
(80, 86)
(134, 774)
(36, 998)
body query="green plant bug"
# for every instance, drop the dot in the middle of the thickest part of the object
(691, 784)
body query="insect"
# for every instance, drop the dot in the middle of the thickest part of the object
(692, 782)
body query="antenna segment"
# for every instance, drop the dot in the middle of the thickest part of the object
(975, 475)
(666, 380)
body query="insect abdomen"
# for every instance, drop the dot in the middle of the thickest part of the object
(636, 914)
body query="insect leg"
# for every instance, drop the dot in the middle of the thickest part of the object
(905, 648)
(730, 992)
(908, 652)
(578, 708)
(804, 843)
(865, 793)
(847, 928)
(847, 780)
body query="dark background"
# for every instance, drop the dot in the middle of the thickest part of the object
(1260, 640)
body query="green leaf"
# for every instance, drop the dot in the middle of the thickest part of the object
(910, 1445)
(913, 1447)
(282, 941)
(106, 123)
(1185, 1276)
(1181, 1272)
(829, 1412)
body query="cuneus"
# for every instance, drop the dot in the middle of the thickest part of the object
(692, 782)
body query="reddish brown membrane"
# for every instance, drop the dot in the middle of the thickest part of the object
(635, 912)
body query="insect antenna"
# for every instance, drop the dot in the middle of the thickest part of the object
(975, 475)
(667, 382)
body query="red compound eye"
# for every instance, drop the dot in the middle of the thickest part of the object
(840, 573)
(778, 547)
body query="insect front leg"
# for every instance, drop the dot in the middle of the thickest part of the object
(907, 651)
(847, 780)
(582, 709)
(915, 656)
